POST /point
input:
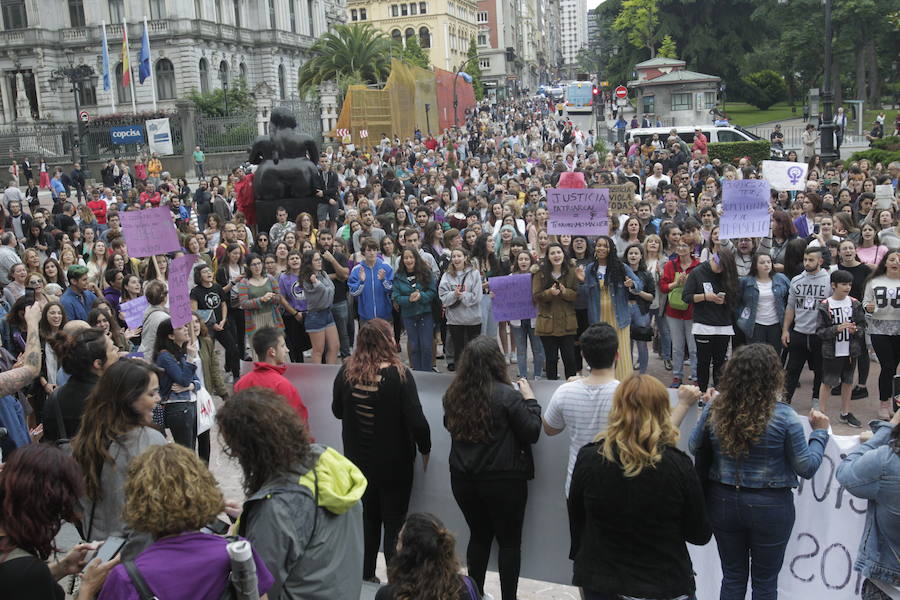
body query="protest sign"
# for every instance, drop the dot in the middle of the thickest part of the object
(785, 176)
(571, 179)
(512, 298)
(884, 196)
(179, 292)
(621, 199)
(159, 136)
(149, 232)
(134, 311)
(578, 212)
(745, 209)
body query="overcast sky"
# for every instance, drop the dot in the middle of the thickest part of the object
(593, 3)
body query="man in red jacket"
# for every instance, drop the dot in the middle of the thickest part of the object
(268, 372)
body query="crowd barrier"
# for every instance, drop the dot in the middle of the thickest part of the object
(818, 562)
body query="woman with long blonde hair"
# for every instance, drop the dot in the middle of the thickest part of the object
(635, 499)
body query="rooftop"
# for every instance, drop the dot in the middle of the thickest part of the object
(675, 77)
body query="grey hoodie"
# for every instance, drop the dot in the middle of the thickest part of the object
(807, 290)
(467, 310)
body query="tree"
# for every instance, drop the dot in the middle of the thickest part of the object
(764, 88)
(212, 104)
(474, 69)
(639, 19)
(348, 52)
(413, 53)
(668, 49)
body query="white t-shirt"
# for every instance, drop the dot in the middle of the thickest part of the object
(583, 410)
(765, 307)
(841, 312)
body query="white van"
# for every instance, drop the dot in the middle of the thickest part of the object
(731, 133)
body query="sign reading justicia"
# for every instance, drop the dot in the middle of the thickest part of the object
(127, 134)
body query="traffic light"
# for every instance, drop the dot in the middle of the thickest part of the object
(596, 91)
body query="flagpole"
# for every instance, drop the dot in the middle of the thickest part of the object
(109, 76)
(152, 74)
(130, 74)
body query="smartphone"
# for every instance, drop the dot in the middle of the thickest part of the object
(816, 229)
(515, 385)
(110, 548)
(217, 527)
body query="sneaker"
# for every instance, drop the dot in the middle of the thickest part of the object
(859, 392)
(815, 404)
(513, 359)
(667, 364)
(836, 390)
(487, 596)
(884, 411)
(372, 579)
(451, 368)
(850, 420)
(434, 370)
(676, 382)
(507, 359)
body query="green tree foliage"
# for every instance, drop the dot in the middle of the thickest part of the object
(732, 152)
(212, 104)
(413, 53)
(764, 88)
(474, 69)
(668, 48)
(354, 52)
(639, 20)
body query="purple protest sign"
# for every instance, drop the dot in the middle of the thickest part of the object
(149, 232)
(512, 298)
(578, 212)
(179, 293)
(134, 311)
(745, 209)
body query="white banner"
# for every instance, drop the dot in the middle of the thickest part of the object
(159, 136)
(818, 563)
(785, 176)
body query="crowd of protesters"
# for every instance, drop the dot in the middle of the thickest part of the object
(406, 239)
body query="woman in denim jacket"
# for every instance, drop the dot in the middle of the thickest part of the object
(178, 382)
(763, 298)
(872, 471)
(754, 447)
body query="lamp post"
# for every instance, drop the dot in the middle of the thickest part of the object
(455, 98)
(826, 127)
(223, 77)
(76, 76)
(427, 118)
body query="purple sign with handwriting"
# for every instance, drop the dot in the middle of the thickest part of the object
(578, 212)
(179, 292)
(149, 232)
(134, 311)
(512, 298)
(745, 209)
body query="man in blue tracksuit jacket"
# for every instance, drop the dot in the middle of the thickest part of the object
(371, 282)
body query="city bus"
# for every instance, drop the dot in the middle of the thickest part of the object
(580, 97)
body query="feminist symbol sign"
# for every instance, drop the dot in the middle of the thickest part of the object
(794, 174)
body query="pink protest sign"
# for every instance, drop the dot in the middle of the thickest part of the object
(512, 297)
(149, 232)
(179, 293)
(571, 179)
(578, 211)
(134, 311)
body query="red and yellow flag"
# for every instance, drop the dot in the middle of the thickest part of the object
(126, 68)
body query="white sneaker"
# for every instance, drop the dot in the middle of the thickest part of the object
(512, 358)
(506, 358)
(487, 597)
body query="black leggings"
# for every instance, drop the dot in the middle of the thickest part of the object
(711, 349)
(233, 353)
(296, 338)
(553, 347)
(803, 349)
(887, 349)
(383, 504)
(493, 509)
(581, 316)
(462, 335)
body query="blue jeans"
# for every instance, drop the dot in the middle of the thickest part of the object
(523, 335)
(488, 324)
(591, 595)
(665, 336)
(641, 321)
(419, 332)
(681, 332)
(339, 311)
(750, 525)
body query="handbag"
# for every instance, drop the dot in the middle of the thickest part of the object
(206, 411)
(62, 442)
(676, 300)
(641, 333)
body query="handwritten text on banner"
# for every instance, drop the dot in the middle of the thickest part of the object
(745, 205)
(149, 232)
(584, 212)
(179, 292)
(134, 311)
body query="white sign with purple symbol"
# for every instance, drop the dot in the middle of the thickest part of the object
(785, 176)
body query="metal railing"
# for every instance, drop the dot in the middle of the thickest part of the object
(308, 114)
(226, 134)
(35, 141)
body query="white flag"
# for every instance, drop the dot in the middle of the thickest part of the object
(785, 176)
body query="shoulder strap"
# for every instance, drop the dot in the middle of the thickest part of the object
(61, 433)
(140, 584)
(470, 585)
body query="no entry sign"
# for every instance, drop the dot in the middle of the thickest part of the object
(621, 92)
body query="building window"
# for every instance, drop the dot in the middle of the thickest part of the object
(123, 92)
(482, 39)
(76, 13)
(282, 83)
(362, 14)
(311, 11)
(424, 37)
(242, 71)
(404, 10)
(223, 72)
(483, 17)
(218, 11)
(292, 15)
(709, 99)
(681, 102)
(409, 33)
(198, 8)
(395, 10)
(116, 11)
(165, 79)
(413, 8)
(484, 63)
(87, 93)
(157, 9)
(14, 15)
(422, 6)
(648, 105)
(204, 76)
(397, 36)
(237, 13)
(353, 15)
(272, 14)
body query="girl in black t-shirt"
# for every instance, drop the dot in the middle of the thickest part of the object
(210, 301)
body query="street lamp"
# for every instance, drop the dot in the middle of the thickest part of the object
(826, 126)
(223, 77)
(76, 76)
(427, 118)
(455, 98)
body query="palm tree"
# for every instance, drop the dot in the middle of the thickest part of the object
(348, 54)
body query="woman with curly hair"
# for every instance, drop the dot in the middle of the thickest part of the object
(376, 398)
(39, 488)
(117, 425)
(633, 473)
(425, 565)
(302, 510)
(754, 447)
(492, 426)
(171, 495)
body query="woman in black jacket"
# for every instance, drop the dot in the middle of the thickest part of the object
(375, 395)
(492, 426)
(635, 500)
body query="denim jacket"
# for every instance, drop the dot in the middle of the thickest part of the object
(872, 471)
(745, 314)
(182, 372)
(781, 453)
(619, 293)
